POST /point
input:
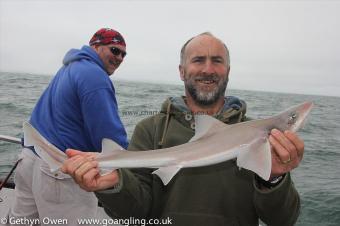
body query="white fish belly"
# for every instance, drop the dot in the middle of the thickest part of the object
(136, 163)
(210, 159)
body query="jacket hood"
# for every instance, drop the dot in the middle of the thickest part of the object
(234, 109)
(85, 53)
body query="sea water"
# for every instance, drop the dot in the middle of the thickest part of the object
(317, 178)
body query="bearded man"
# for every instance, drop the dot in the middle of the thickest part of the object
(220, 194)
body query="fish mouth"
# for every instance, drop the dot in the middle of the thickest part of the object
(302, 112)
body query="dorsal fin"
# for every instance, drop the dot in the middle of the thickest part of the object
(205, 124)
(110, 147)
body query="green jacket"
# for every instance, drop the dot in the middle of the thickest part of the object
(220, 194)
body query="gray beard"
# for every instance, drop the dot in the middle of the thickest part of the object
(204, 98)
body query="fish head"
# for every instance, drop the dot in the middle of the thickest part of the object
(295, 117)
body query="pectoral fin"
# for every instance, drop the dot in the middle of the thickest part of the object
(167, 173)
(256, 157)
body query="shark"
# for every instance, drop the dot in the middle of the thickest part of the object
(214, 142)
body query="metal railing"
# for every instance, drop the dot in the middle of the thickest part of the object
(5, 182)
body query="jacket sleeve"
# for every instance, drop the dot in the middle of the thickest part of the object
(279, 205)
(134, 198)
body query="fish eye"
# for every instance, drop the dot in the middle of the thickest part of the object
(292, 118)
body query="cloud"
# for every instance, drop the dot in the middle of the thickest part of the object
(271, 43)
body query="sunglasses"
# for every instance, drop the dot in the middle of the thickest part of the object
(115, 51)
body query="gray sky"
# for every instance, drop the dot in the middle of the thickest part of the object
(282, 46)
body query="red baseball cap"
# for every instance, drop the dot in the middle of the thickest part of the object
(105, 36)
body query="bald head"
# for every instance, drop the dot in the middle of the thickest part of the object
(203, 39)
(204, 68)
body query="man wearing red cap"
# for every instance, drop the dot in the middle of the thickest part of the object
(77, 110)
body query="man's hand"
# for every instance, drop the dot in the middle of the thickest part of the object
(287, 152)
(83, 168)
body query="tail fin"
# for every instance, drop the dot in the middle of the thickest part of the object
(47, 151)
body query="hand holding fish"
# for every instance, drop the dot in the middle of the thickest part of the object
(83, 168)
(287, 151)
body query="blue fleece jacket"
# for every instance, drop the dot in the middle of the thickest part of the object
(79, 108)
